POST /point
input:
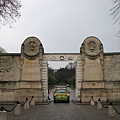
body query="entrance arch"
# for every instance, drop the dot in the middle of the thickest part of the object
(62, 57)
(34, 70)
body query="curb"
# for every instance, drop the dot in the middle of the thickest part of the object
(79, 103)
(46, 103)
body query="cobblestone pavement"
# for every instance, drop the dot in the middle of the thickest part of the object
(63, 111)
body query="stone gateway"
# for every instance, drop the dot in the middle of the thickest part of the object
(25, 74)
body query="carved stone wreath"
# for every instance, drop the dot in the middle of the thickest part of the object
(31, 51)
(31, 48)
(92, 46)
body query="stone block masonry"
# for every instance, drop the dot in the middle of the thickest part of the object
(25, 74)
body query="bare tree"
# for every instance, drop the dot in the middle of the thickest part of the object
(2, 50)
(115, 12)
(70, 65)
(9, 11)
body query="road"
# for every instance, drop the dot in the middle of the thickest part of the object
(63, 111)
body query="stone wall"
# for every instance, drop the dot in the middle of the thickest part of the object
(9, 67)
(112, 76)
(31, 70)
(101, 72)
(92, 61)
(20, 74)
(9, 77)
(25, 74)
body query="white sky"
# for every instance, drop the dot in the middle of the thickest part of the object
(62, 25)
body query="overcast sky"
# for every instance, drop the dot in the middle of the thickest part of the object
(62, 25)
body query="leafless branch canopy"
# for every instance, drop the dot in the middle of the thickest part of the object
(2, 50)
(115, 12)
(9, 10)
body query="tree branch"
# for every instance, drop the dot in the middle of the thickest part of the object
(9, 11)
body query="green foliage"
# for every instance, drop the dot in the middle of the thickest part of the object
(62, 76)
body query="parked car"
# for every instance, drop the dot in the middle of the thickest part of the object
(61, 94)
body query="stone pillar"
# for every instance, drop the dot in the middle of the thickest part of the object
(17, 110)
(27, 105)
(92, 67)
(99, 105)
(31, 70)
(3, 115)
(32, 101)
(92, 101)
(78, 80)
(45, 80)
(111, 111)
